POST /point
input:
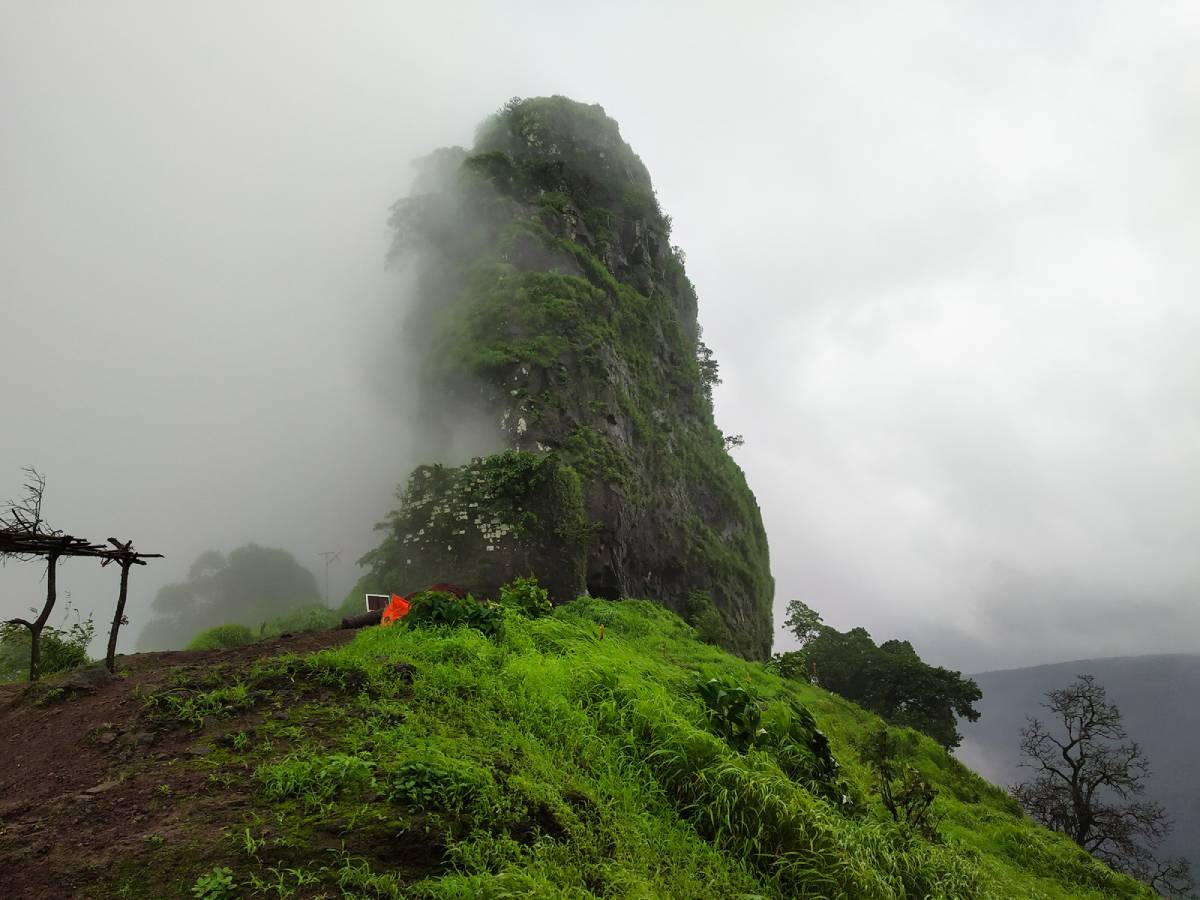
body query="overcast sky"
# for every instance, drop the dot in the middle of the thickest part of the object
(944, 253)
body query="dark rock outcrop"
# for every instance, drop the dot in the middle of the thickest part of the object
(552, 304)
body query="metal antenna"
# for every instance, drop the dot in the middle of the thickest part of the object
(329, 556)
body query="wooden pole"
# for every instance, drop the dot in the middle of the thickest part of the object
(35, 630)
(110, 658)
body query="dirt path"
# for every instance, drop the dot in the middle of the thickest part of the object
(86, 783)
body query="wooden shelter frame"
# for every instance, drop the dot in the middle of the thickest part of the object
(52, 546)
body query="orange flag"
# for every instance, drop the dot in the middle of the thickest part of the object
(396, 610)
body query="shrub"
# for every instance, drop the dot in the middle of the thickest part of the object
(61, 648)
(802, 751)
(432, 608)
(905, 792)
(702, 615)
(734, 713)
(528, 597)
(300, 621)
(190, 706)
(436, 783)
(792, 665)
(214, 885)
(317, 781)
(223, 637)
(711, 628)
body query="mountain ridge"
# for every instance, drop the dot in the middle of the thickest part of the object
(1086, 659)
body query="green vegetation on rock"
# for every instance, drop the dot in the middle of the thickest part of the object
(551, 302)
(482, 525)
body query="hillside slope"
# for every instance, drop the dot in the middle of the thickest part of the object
(1157, 699)
(555, 759)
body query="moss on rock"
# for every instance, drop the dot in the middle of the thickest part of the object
(551, 300)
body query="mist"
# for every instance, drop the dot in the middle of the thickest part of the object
(944, 254)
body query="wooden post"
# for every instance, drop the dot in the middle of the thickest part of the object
(23, 541)
(35, 629)
(110, 658)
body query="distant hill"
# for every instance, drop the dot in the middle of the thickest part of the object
(1157, 696)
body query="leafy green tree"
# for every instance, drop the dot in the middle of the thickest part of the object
(894, 682)
(709, 369)
(252, 584)
(802, 621)
(792, 664)
(846, 663)
(927, 698)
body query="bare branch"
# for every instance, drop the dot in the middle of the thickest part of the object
(25, 515)
(1085, 784)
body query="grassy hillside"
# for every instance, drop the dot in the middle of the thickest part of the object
(546, 761)
(1157, 699)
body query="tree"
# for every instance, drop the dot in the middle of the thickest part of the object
(24, 517)
(251, 585)
(893, 682)
(804, 622)
(709, 369)
(25, 535)
(928, 698)
(1087, 778)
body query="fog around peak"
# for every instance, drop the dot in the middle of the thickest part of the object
(945, 256)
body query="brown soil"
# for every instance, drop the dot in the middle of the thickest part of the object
(87, 785)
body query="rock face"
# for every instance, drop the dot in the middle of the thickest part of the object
(552, 305)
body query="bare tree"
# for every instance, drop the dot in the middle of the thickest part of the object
(1086, 783)
(23, 518)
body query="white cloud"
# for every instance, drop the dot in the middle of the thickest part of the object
(945, 254)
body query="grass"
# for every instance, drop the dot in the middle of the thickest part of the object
(551, 762)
